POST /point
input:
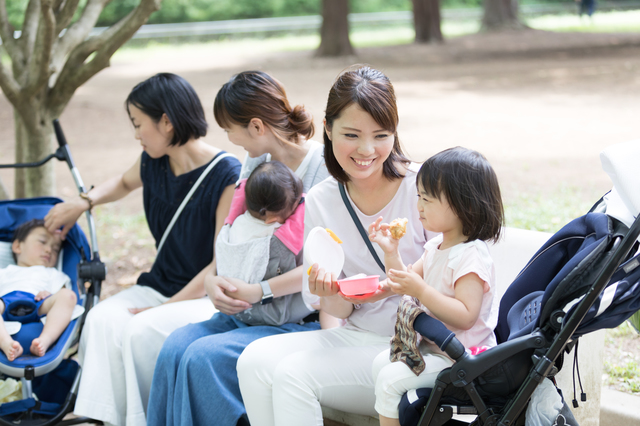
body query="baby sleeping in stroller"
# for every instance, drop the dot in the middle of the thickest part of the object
(33, 288)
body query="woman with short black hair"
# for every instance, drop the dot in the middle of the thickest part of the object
(123, 335)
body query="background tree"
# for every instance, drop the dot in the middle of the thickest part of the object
(334, 33)
(501, 15)
(52, 56)
(426, 21)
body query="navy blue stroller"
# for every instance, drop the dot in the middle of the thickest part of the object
(585, 278)
(50, 382)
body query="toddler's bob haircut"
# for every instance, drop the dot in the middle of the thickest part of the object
(170, 94)
(469, 184)
(372, 91)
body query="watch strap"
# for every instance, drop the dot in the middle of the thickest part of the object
(267, 295)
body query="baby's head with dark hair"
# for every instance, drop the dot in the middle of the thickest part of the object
(272, 189)
(22, 244)
(22, 231)
(470, 185)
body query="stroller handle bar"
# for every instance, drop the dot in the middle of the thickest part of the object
(63, 148)
(64, 154)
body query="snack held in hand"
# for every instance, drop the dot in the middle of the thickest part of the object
(398, 227)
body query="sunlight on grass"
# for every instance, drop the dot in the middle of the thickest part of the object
(623, 369)
(368, 37)
(289, 42)
(628, 21)
(547, 213)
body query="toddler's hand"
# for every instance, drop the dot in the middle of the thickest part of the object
(408, 282)
(322, 283)
(379, 233)
(42, 295)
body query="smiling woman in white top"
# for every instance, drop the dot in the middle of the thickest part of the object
(285, 379)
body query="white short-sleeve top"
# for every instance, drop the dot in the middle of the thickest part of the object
(324, 207)
(442, 268)
(32, 279)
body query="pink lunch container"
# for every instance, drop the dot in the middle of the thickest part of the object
(360, 285)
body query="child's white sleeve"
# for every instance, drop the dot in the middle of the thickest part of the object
(58, 281)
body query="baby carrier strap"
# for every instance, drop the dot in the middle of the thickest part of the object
(291, 233)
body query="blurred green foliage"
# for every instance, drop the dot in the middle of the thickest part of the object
(635, 321)
(218, 10)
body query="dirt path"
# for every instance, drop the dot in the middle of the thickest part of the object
(539, 105)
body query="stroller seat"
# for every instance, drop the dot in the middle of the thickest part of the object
(27, 366)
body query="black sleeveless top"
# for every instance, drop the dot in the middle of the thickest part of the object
(189, 246)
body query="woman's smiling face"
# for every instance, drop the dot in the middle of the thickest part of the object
(360, 145)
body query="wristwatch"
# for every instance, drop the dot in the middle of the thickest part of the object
(267, 295)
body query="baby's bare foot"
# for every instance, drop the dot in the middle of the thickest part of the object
(39, 346)
(11, 349)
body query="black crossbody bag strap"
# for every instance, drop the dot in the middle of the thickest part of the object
(356, 221)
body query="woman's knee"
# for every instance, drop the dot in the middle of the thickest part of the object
(198, 362)
(102, 317)
(173, 349)
(253, 361)
(379, 363)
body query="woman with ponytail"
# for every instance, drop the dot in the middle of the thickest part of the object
(195, 380)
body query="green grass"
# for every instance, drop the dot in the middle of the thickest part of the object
(628, 21)
(119, 234)
(547, 212)
(622, 368)
(635, 321)
(602, 22)
(627, 375)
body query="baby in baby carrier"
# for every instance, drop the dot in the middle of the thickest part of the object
(33, 288)
(262, 237)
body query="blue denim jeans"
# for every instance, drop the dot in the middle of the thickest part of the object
(195, 377)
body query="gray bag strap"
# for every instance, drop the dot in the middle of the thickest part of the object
(188, 197)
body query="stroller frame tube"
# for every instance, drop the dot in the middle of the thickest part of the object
(66, 156)
(542, 369)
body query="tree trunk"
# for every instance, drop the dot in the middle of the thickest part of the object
(4, 195)
(501, 15)
(33, 144)
(426, 21)
(53, 56)
(334, 33)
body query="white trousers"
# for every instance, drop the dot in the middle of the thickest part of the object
(394, 379)
(285, 379)
(118, 352)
